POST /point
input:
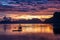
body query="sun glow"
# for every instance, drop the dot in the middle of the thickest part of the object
(32, 16)
(26, 17)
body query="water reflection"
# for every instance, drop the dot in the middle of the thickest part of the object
(26, 28)
(28, 32)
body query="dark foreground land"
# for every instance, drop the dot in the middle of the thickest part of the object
(28, 37)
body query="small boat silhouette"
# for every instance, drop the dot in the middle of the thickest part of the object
(19, 29)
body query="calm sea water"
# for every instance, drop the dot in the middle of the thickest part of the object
(26, 28)
(27, 32)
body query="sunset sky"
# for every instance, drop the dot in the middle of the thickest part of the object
(16, 8)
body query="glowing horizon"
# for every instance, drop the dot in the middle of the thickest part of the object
(32, 16)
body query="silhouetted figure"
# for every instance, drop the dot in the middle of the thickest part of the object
(56, 22)
(20, 27)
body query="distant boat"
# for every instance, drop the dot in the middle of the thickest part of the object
(19, 29)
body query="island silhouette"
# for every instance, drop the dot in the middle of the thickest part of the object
(55, 21)
(8, 20)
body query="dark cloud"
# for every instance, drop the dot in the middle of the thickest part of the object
(35, 5)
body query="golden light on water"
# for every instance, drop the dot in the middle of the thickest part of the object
(35, 28)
